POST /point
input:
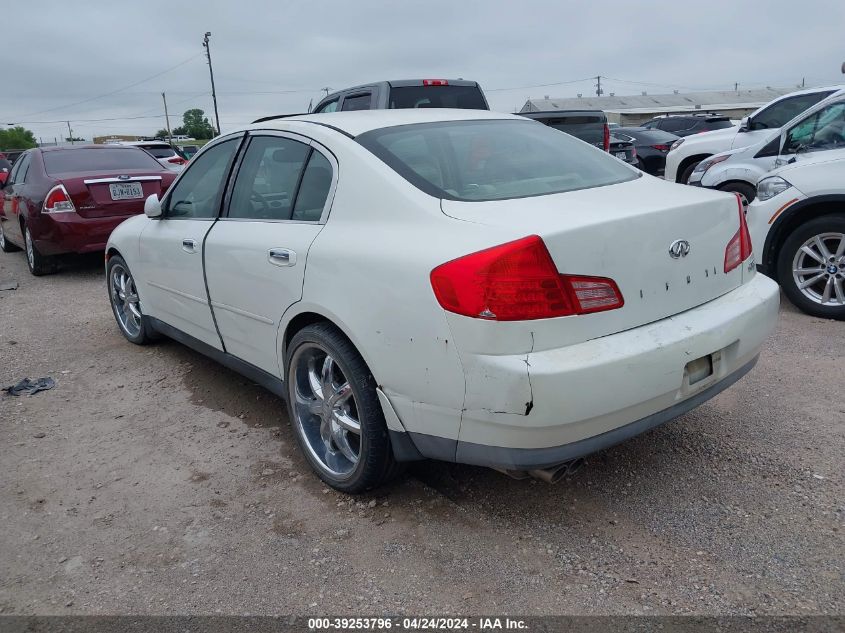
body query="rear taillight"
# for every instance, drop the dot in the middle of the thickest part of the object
(435, 82)
(661, 147)
(177, 160)
(518, 281)
(739, 248)
(606, 139)
(58, 201)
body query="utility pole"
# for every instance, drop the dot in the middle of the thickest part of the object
(205, 44)
(167, 120)
(69, 132)
(327, 89)
(598, 86)
(736, 86)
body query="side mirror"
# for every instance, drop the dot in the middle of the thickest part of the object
(743, 124)
(152, 206)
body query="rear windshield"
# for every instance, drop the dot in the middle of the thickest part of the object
(159, 151)
(587, 127)
(718, 124)
(492, 160)
(4, 164)
(466, 97)
(111, 159)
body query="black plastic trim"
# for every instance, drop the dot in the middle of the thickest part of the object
(268, 381)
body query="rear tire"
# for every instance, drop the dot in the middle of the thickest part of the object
(688, 172)
(38, 264)
(125, 302)
(5, 245)
(747, 192)
(795, 266)
(335, 412)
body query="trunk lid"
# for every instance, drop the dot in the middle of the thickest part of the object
(99, 195)
(624, 232)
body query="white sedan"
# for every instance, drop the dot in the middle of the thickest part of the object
(459, 285)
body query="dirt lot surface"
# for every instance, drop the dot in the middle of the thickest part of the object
(151, 480)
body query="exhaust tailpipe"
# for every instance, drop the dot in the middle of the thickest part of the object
(549, 475)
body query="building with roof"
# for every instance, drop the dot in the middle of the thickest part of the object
(635, 109)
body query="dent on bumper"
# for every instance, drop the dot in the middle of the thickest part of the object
(589, 396)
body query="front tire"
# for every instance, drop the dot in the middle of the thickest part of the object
(811, 267)
(688, 172)
(335, 411)
(746, 192)
(125, 302)
(5, 245)
(38, 264)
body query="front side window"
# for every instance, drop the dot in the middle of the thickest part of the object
(492, 159)
(198, 193)
(821, 131)
(780, 113)
(268, 178)
(357, 102)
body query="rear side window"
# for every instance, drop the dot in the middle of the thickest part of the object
(313, 189)
(198, 192)
(330, 106)
(492, 160)
(21, 168)
(465, 97)
(675, 124)
(357, 102)
(90, 159)
(268, 178)
(719, 124)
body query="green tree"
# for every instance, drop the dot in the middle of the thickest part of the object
(161, 134)
(197, 125)
(17, 138)
(180, 131)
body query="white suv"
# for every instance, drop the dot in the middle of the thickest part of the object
(797, 226)
(687, 152)
(819, 129)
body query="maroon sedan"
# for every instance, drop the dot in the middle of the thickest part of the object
(69, 199)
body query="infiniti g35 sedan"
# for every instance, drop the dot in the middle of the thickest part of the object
(450, 284)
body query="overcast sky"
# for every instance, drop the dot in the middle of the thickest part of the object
(273, 57)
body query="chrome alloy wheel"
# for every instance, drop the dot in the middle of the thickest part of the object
(124, 298)
(30, 248)
(818, 269)
(325, 410)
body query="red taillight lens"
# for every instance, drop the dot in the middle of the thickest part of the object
(177, 160)
(58, 201)
(739, 248)
(435, 82)
(606, 140)
(661, 148)
(518, 281)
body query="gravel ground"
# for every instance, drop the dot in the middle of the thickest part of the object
(152, 481)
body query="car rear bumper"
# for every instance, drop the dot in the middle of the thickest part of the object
(586, 397)
(59, 233)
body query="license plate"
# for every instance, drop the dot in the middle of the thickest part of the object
(699, 369)
(621, 155)
(126, 191)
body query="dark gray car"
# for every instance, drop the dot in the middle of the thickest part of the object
(407, 93)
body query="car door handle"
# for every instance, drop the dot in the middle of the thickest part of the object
(282, 257)
(189, 245)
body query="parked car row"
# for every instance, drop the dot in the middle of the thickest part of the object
(797, 227)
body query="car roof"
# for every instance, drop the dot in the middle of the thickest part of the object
(62, 148)
(354, 123)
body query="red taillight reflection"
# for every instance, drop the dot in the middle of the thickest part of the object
(606, 140)
(661, 148)
(519, 281)
(739, 247)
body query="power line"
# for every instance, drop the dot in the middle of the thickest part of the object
(107, 94)
(557, 83)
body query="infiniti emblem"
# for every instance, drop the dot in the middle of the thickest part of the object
(679, 248)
